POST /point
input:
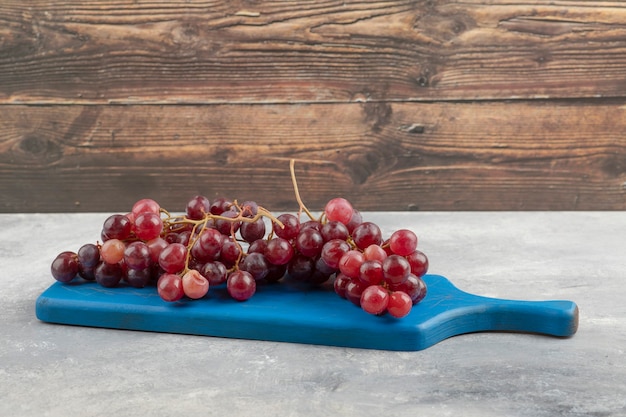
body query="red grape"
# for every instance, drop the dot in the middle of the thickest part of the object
(403, 242)
(291, 226)
(399, 304)
(112, 251)
(333, 251)
(256, 264)
(65, 266)
(241, 285)
(117, 226)
(252, 231)
(214, 272)
(374, 299)
(374, 253)
(145, 205)
(371, 272)
(279, 251)
(108, 275)
(334, 230)
(339, 209)
(172, 258)
(418, 262)
(195, 286)
(137, 255)
(197, 207)
(309, 242)
(355, 220)
(148, 226)
(350, 263)
(88, 255)
(170, 287)
(396, 269)
(367, 234)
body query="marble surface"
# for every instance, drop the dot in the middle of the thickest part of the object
(57, 370)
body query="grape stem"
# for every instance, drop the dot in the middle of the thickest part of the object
(302, 207)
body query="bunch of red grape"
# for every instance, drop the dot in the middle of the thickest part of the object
(244, 245)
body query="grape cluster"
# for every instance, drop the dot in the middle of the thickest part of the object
(239, 246)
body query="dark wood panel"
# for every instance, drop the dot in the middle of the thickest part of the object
(309, 51)
(523, 155)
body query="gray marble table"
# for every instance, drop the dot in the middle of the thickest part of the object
(57, 370)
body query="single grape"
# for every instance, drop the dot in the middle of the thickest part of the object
(353, 290)
(215, 272)
(371, 272)
(259, 245)
(230, 253)
(220, 205)
(197, 207)
(309, 242)
(312, 224)
(228, 227)
(301, 267)
(374, 299)
(355, 220)
(170, 287)
(418, 262)
(374, 253)
(108, 275)
(156, 246)
(279, 251)
(291, 226)
(112, 251)
(88, 255)
(148, 226)
(396, 269)
(350, 263)
(399, 304)
(334, 230)
(172, 258)
(117, 226)
(339, 209)
(241, 285)
(333, 250)
(65, 266)
(195, 286)
(208, 245)
(340, 283)
(252, 231)
(138, 278)
(88, 273)
(403, 242)
(145, 205)
(249, 208)
(137, 255)
(183, 237)
(256, 264)
(366, 234)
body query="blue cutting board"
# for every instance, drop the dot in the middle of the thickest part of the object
(286, 313)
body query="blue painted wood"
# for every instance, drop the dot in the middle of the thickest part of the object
(287, 313)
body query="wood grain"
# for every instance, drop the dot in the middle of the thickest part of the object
(122, 51)
(520, 155)
(397, 105)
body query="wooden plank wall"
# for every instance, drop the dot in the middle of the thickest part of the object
(396, 105)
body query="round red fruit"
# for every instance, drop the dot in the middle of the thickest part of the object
(374, 299)
(339, 209)
(400, 304)
(241, 285)
(403, 242)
